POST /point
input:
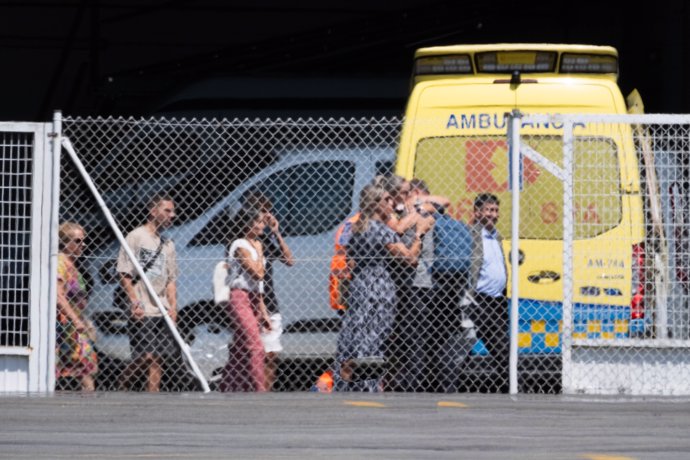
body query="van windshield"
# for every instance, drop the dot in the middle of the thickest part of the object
(461, 167)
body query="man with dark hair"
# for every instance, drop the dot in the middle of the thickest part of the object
(149, 336)
(487, 304)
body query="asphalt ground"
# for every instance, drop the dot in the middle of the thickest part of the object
(342, 426)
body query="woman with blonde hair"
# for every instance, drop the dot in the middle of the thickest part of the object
(76, 356)
(369, 319)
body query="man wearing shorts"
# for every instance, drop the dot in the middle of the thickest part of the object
(275, 249)
(150, 338)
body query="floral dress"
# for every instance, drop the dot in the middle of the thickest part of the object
(76, 356)
(369, 318)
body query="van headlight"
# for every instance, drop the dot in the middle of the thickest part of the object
(108, 272)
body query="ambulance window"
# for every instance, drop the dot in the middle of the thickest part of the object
(597, 206)
(462, 167)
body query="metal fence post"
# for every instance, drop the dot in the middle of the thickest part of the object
(515, 159)
(53, 256)
(567, 333)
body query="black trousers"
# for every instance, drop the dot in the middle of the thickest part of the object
(449, 343)
(491, 318)
(408, 347)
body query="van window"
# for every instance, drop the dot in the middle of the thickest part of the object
(384, 168)
(311, 198)
(308, 199)
(462, 167)
(193, 200)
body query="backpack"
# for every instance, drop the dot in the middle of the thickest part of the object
(453, 245)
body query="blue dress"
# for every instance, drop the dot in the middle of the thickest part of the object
(372, 301)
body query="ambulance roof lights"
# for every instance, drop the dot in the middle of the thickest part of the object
(443, 65)
(588, 63)
(522, 61)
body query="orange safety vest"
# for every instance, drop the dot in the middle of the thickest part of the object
(339, 268)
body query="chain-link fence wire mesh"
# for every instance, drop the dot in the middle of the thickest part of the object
(627, 294)
(311, 170)
(667, 252)
(445, 332)
(16, 166)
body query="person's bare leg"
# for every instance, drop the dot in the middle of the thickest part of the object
(128, 373)
(347, 370)
(88, 383)
(155, 372)
(270, 369)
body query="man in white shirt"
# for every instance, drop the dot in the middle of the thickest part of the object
(489, 307)
(150, 338)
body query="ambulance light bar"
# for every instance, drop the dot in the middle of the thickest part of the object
(588, 63)
(510, 61)
(441, 65)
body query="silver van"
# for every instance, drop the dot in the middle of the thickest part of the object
(312, 193)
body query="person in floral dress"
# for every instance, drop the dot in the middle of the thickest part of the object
(76, 356)
(369, 319)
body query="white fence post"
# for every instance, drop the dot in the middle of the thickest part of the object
(54, 223)
(515, 166)
(566, 335)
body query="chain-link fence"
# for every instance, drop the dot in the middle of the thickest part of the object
(15, 236)
(27, 325)
(310, 170)
(627, 307)
(362, 305)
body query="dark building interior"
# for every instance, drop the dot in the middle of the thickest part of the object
(268, 57)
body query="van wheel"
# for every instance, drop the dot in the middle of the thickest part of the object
(201, 313)
(205, 328)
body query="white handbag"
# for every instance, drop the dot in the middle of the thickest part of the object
(221, 286)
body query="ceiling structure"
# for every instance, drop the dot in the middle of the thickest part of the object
(142, 57)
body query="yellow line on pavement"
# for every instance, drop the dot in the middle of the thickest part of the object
(592, 456)
(364, 404)
(450, 404)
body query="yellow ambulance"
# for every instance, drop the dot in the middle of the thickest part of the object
(455, 138)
